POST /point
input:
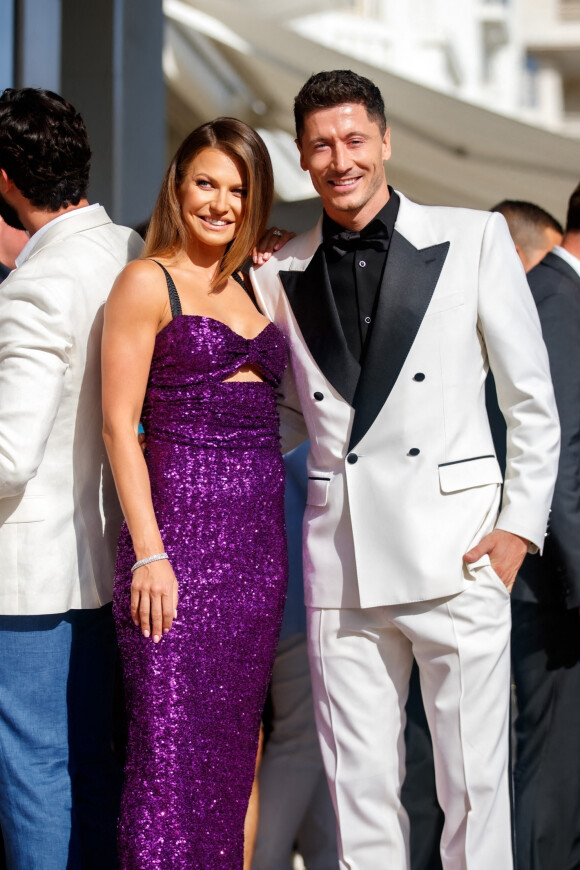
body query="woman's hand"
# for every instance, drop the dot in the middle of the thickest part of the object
(154, 598)
(272, 240)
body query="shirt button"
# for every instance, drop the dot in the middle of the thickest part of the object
(414, 451)
(362, 263)
(367, 320)
(419, 376)
(352, 458)
(318, 396)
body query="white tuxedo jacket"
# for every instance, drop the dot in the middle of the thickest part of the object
(403, 478)
(59, 516)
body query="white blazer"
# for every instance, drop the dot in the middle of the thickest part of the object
(403, 478)
(59, 516)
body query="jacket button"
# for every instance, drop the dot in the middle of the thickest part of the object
(318, 396)
(414, 451)
(352, 458)
(419, 376)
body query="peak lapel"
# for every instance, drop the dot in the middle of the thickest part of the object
(408, 284)
(310, 296)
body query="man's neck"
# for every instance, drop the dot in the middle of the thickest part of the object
(571, 243)
(34, 218)
(356, 221)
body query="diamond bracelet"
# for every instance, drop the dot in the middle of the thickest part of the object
(156, 558)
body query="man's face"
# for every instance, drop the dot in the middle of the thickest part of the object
(343, 150)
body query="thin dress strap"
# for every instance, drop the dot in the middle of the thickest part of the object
(174, 299)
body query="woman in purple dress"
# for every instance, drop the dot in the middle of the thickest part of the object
(201, 567)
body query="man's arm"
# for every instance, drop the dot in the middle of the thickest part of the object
(509, 324)
(34, 350)
(268, 292)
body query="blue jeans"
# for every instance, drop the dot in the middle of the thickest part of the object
(59, 780)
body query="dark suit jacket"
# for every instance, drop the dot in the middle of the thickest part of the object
(556, 575)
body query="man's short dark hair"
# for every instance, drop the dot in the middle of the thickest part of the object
(324, 90)
(573, 216)
(44, 147)
(528, 214)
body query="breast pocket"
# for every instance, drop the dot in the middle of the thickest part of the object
(444, 303)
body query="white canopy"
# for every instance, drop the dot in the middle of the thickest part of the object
(222, 57)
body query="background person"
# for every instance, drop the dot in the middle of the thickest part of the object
(59, 515)
(201, 569)
(391, 323)
(533, 229)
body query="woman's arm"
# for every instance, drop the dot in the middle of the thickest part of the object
(135, 311)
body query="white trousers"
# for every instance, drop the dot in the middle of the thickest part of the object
(295, 804)
(361, 662)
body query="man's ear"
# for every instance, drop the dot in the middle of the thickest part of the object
(6, 183)
(299, 146)
(387, 144)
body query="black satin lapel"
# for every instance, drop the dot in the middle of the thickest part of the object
(409, 281)
(310, 296)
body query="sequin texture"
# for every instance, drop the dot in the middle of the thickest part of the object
(194, 700)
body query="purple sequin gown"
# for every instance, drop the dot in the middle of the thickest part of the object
(194, 700)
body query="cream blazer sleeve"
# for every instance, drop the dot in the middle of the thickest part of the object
(34, 355)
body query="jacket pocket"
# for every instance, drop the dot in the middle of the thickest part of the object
(318, 485)
(467, 473)
(483, 567)
(23, 509)
(443, 303)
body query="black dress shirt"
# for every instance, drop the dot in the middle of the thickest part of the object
(356, 273)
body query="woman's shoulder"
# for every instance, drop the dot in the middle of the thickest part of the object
(142, 283)
(147, 269)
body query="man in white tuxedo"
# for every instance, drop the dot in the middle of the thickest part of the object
(59, 516)
(393, 312)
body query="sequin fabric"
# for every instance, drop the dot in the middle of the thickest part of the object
(194, 700)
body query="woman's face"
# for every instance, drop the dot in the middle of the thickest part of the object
(213, 197)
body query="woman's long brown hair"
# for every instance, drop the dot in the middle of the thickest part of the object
(167, 234)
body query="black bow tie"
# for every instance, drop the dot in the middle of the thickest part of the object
(375, 236)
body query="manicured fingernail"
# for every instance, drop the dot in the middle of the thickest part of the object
(156, 638)
(145, 633)
(165, 631)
